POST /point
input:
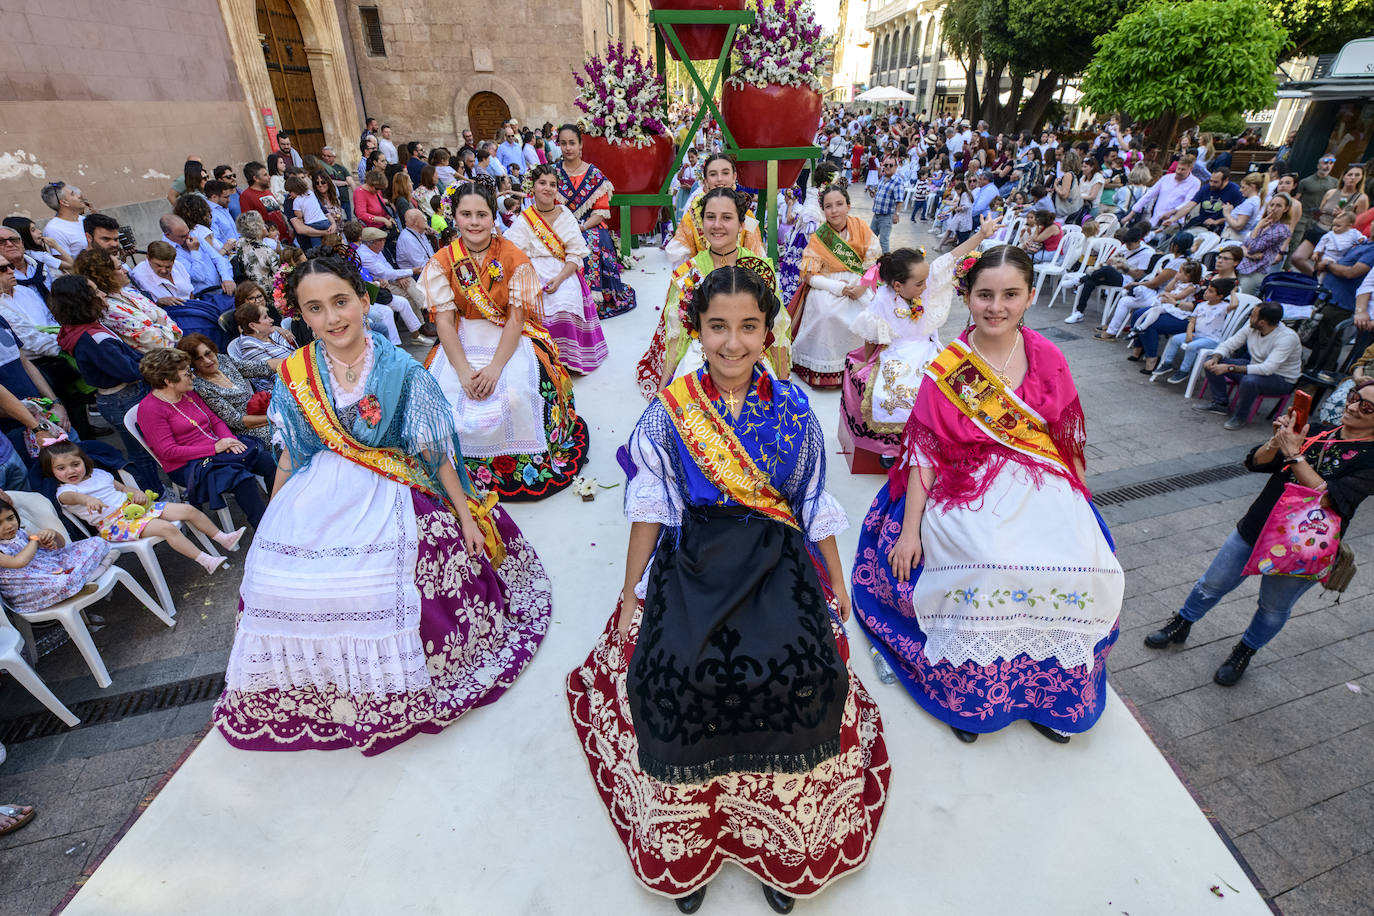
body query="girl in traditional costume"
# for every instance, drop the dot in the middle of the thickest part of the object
(984, 576)
(717, 711)
(587, 193)
(833, 295)
(902, 328)
(380, 599)
(809, 219)
(548, 234)
(496, 362)
(690, 239)
(674, 351)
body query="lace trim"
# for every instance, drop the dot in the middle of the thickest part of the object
(386, 665)
(1072, 649)
(696, 774)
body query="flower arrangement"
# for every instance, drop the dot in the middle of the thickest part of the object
(585, 487)
(783, 46)
(622, 96)
(961, 273)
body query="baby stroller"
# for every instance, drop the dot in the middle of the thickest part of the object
(1297, 293)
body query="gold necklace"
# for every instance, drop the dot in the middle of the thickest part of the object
(1002, 372)
(731, 400)
(194, 422)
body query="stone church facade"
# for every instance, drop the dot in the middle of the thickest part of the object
(113, 95)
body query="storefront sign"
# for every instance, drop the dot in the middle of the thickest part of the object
(1355, 59)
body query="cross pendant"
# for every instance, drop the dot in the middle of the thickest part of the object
(731, 402)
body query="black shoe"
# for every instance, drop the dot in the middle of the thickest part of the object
(966, 737)
(692, 902)
(887, 461)
(428, 329)
(1233, 669)
(780, 902)
(1050, 733)
(1176, 630)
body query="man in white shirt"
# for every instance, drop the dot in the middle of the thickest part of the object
(64, 229)
(1272, 367)
(1133, 261)
(162, 276)
(386, 146)
(397, 279)
(1169, 193)
(28, 316)
(954, 142)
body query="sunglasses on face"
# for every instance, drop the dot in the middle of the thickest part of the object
(1366, 405)
(6, 268)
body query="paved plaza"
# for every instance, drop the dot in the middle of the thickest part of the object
(1284, 761)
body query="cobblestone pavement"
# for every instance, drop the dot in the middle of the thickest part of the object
(1285, 760)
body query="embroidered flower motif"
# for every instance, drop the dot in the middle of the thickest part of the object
(370, 410)
(1018, 595)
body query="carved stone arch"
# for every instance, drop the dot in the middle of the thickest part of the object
(484, 82)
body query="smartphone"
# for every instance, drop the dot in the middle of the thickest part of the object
(1302, 408)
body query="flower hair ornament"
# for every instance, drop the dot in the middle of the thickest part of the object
(961, 272)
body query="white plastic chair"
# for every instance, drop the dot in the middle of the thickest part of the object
(69, 614)
(226, 522)
(1007, 235)
(1111, 295)
(1070, 249)
(1203, 242)
(143, 549)
(1097, 253)
(12, 661)
(1239, 318)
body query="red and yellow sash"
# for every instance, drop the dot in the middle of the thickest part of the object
(544, 232)
(972, 386)
(718, 451)
(301, 373)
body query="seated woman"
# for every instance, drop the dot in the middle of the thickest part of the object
(902, 328)
(194, 446)
(512, 398)
(690, 239)
(674, 350)
(836, 257)
(983, 575)
(141, 323)
(223, 383)
(382, 600)
(587, 193)
(106, 362)
(1168, 316)
(259, 337)
(548, 235)
(257, 254)
(1042, 236)
(696, 708)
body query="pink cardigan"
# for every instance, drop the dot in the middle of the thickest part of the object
(172, 438)
(367, 207)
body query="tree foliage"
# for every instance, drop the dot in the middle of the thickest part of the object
(1192, 59)
(1058, 34)
(1322, 26)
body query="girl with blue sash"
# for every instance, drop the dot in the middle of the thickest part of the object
(724, 668)
(380, 599)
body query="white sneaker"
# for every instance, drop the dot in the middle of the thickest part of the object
(1074, 318)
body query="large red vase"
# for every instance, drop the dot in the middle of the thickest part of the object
(701, 42)
(762, 117)
(632, 170)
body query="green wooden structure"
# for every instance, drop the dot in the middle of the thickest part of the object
(669, 20)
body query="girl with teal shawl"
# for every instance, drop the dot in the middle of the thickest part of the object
(381, 598)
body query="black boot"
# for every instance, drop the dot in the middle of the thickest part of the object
(780, 902)
(1233, 669)
(692, 902)
(1176, 630)
(966, 737)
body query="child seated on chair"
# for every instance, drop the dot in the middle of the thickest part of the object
(1042, 236)
(38, 570)
(121, 513)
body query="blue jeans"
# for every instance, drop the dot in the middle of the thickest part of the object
(1190, 351)
(113, 407)
(14, 474)
(1164, 324)
(1250, 387)
(881, 223)
(1277, 594)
